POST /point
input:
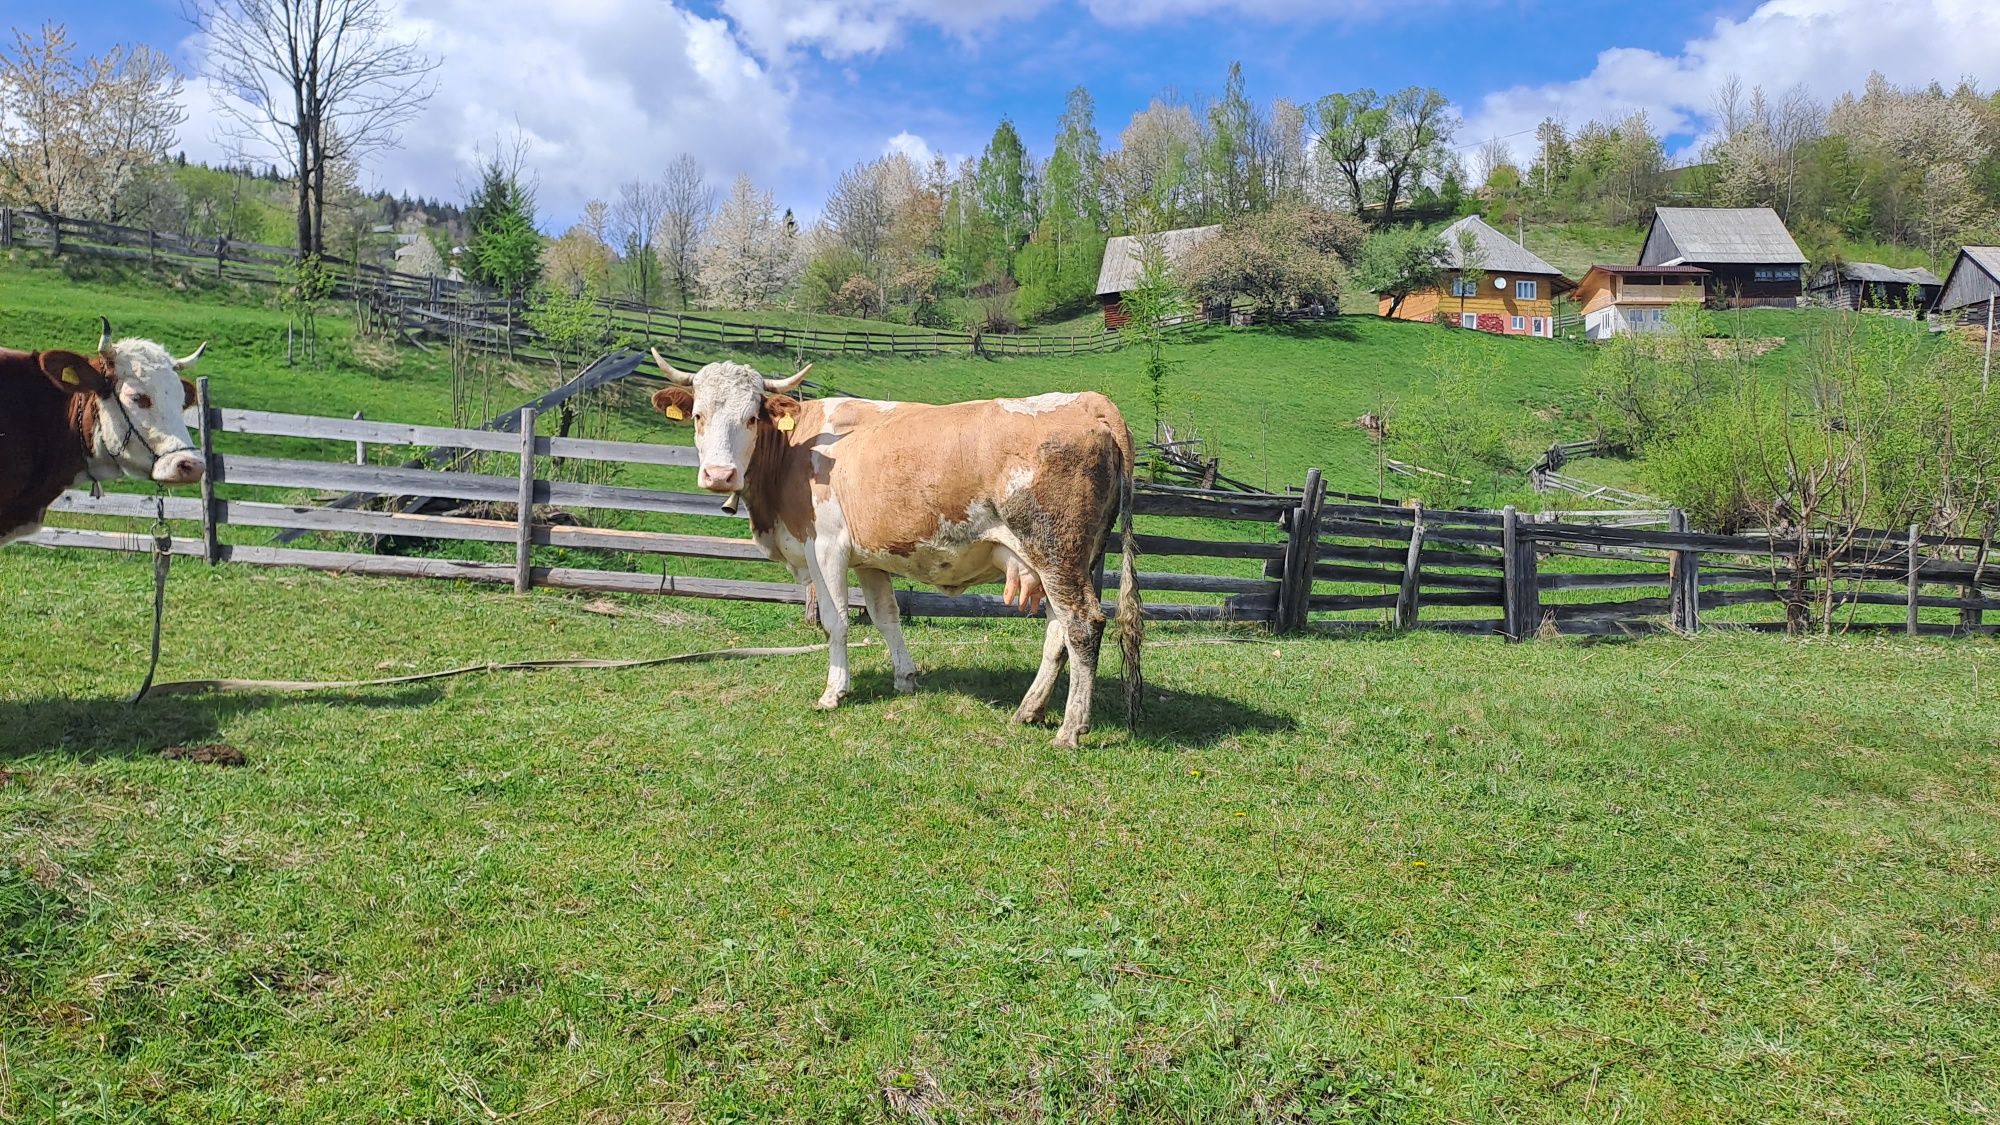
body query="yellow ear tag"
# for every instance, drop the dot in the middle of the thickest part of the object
(787, 423)
(676, 413)
(70, 376)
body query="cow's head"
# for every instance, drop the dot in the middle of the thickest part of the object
(729, 404)
(141, 398)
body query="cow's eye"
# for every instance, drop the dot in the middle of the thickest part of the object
(142, 400)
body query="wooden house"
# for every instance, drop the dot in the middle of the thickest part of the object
(1618, 300)
(1971, 290)
(1749, 255)
(1513, 296)
(1123, 262)
(1867, 285)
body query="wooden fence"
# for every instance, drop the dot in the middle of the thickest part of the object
(437, 307)
(1327, 559)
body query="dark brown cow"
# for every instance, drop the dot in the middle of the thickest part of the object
(1020, 490)
(68, 420)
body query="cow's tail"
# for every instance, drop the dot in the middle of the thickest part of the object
(1131, 613)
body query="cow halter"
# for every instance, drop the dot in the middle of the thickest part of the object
(113, 451)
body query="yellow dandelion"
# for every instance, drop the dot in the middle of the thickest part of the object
(1418, 863)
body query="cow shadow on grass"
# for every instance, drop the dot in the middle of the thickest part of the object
(89, 729)
(1174, 718)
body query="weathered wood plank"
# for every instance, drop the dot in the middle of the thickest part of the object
(633, 499)
(1245, 508)
(211, 534)
(1196, 583)
(1343, 553)
(1602, 581)
(125, 504)
(524, 507)
(1207, 548)
(1409, 596)
(350, 429)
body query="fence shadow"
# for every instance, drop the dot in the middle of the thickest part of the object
(1185, 719)
(91, 729)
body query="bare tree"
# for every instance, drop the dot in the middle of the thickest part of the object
(688, 201)
(635, 221)
(1417, 128)
(76, 137)
(311, 83)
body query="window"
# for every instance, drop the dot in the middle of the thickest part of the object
(1540, 327)
(1518, 324)
(1659, 316)
(1525, 290)
(1777, 273)
(1468, 320)
(1461, 287)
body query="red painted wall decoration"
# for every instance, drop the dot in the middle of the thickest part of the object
(1492, 322)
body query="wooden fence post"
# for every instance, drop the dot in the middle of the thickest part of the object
(6, 228)
(55, 235)
(1413, 575)
(1520, 592)
(1910, 627)
(360, 447)
(1301, 549)
(211, 537)
(1684, 580)
(524, 535)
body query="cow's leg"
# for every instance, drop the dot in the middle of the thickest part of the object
(1081, 618)
(1055, 648)
(812, 596)
(21, 531)
(828, 560)
(881, 598)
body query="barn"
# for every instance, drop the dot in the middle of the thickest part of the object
(1749, 255)
(1868, 285)
(1123, 261)
(1971, 289)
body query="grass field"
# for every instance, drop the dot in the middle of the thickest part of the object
(1406, 878)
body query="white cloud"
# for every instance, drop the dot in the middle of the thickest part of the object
(841, 29)
(605, 91)
(910, 145)
(1138, 12)
(1828, 46)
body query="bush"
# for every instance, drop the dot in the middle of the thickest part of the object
(857, 296)
(1291, 256)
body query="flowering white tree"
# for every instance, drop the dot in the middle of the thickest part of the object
(746, 261)
(76, 136)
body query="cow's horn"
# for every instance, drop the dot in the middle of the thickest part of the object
(104, 337)
(187, 361)
(679, 378)
(780, 386)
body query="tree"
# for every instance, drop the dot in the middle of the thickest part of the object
(1397, 262)
(1349, 128)
(504, 250)
(636, 217)
(1292, 256)
(1415, 132)
(576, 263)
(747, 258)
(311, 82)
(1148, 177)
(1155, 299)
(1552, 156)
(76, 137)
(1059, 266)
(1005, 181)
(1231, 173)
(686, 203)
(1471, 266)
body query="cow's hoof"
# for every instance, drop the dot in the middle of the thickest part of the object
(829, 701)
(1066, 739)
(1026, 718)
(906, 684)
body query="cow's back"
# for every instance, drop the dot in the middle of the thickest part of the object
(903, 471)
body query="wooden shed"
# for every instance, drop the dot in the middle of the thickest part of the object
(1749, 255)
(1869, 285)
(1972, 288)
(1123, 261)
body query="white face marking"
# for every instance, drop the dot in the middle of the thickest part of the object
(142, 430)
(1040, 404)
(728, 397)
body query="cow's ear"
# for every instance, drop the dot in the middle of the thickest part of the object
(782, 410)
(73, 374)
(188, 396)
(677, 403)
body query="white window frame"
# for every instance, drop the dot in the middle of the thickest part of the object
(1526, 290)
(1518, 324)
(1463, 287)
(1540, 326)
(1468, 320)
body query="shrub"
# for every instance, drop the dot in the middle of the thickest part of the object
(1291, 256)
(857, 296)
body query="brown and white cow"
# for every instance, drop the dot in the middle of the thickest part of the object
(69, 420)
(1020, 490)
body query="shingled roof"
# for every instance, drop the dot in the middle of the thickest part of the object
(1719, 235)
(1497, 252)
(1887, 275)
(1120, 270)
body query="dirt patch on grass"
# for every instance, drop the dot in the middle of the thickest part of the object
(212, 754)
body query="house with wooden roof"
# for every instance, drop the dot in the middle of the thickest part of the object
(1749, 255)
(1869, 285)
(1513, 292)
(1124, 261)
(1620, 300)
(1971, 290)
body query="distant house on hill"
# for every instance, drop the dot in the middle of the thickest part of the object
(1618, 300)
(1123, 261)
(1867, 285)
(1749, 255)
(1514, 297)
(1972, 288)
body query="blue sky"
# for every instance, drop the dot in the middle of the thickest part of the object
(793, 91)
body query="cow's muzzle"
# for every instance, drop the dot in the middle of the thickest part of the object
(181, 467)
(724, 479)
